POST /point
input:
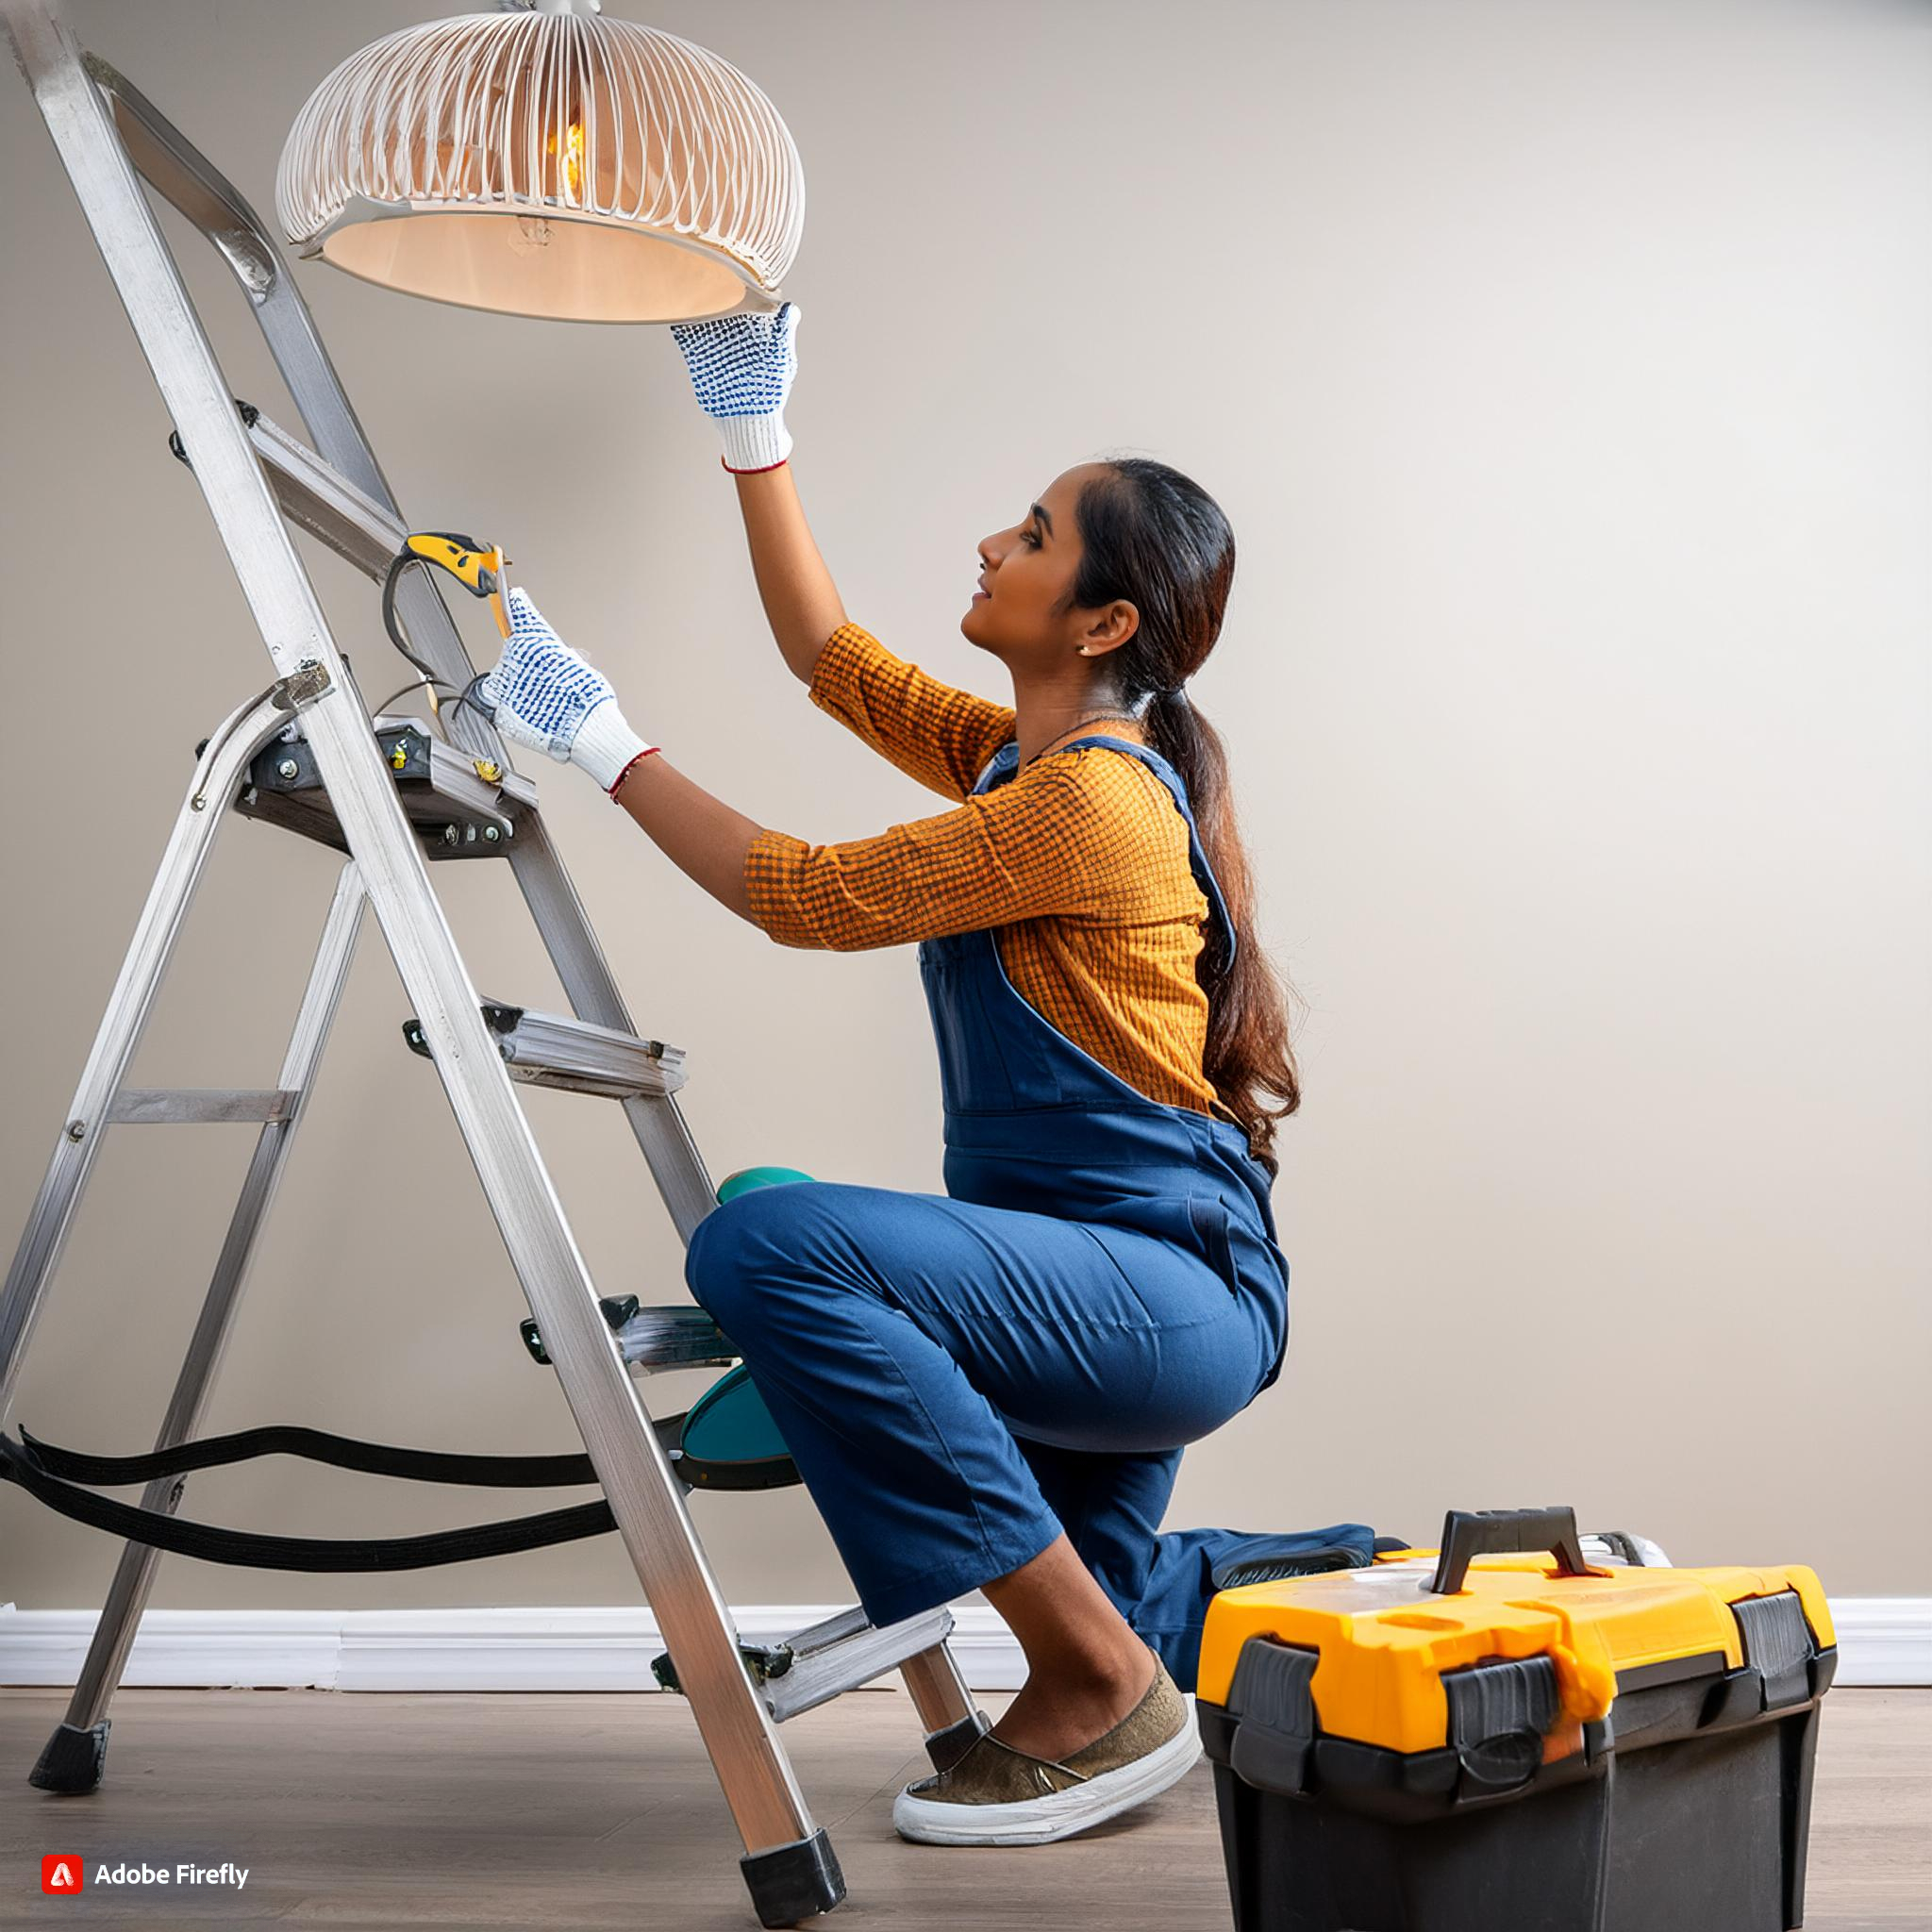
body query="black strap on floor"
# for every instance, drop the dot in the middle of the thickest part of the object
(344, 1452)
(40, 1468)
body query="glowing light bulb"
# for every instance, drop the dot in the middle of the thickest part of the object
(573, 157)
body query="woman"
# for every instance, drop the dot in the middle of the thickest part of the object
(991, 1388)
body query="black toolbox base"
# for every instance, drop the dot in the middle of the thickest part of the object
(1703, 1835)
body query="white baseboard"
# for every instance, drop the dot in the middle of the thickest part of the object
(1881, 1641)
(508, 1649)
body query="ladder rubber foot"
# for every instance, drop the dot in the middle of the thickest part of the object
(945, 1748)
(796, 1881)
(73, 1763)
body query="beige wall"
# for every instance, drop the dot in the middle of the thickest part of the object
(1563, 370)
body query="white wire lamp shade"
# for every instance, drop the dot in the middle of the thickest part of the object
(543, 160)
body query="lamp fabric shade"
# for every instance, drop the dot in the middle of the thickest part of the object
(574, 167)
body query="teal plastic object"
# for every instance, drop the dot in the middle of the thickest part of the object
(746, 1178)
(730, 1441)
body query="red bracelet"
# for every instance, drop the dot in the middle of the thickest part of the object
(647, 752)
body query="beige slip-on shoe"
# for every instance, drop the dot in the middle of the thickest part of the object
(998, 1796)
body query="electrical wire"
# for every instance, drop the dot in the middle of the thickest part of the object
(429, 680)
(414, 684)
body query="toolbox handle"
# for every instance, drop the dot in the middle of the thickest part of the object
(1468, 1533)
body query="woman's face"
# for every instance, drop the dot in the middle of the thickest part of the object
(1018, 612)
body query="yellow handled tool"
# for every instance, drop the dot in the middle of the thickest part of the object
(479, 567)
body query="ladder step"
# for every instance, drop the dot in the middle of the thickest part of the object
(454, 808)
(673, 1337)
(155, 1105)
(679, 1337)
(844, 1652)
(824, 1663)
(315, 496)
(548, 1050)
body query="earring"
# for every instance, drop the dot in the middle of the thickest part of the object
(1083, 650)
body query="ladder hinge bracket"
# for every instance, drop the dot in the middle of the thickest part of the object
(763, 1662)
(301, 687)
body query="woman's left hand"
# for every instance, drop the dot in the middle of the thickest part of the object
(742, 367)
(544, 697)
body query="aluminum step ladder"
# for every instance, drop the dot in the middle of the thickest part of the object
(395, 798)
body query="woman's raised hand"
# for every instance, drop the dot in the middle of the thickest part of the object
(742, 367)
(544, 697)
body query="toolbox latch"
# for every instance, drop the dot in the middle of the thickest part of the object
(1499, 1712)
(1275, 1711)
(1778, 1647)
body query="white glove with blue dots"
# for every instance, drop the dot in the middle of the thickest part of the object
(742, 367)
(544, 697)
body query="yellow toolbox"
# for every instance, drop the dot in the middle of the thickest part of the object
(1498, 1738)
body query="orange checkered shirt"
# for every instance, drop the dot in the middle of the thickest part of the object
(1079, 862)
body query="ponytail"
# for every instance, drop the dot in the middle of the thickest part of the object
(1155, 538)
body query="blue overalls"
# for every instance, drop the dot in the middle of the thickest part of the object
(960, 1377)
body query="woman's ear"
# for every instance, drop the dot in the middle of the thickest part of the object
(1111, 628)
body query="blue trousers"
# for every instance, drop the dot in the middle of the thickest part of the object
(958, 1384)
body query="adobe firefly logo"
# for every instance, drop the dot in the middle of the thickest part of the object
(61, 1874)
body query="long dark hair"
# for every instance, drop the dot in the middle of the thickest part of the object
(1156, 539)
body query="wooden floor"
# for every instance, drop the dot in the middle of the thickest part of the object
(591, 1811)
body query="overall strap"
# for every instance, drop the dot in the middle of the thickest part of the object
(1005, 764)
